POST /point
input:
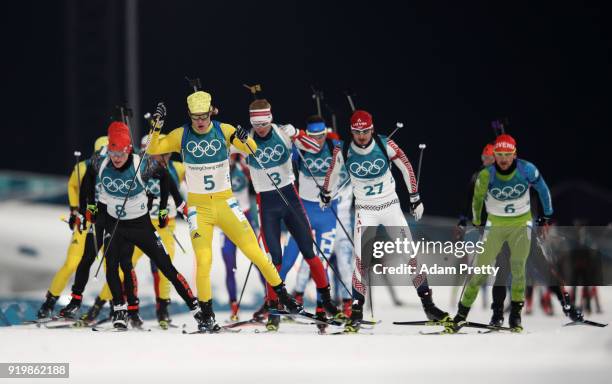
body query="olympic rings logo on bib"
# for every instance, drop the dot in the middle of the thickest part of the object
(116, 185)
(508, 192)
(367, 168)
(153, 187)
(270, 153)
(318, 165)
(203, 147)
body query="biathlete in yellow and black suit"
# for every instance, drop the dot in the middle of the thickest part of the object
(81, 241)
(164, 198)
(204, 146)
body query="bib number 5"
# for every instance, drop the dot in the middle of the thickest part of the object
(209, 183)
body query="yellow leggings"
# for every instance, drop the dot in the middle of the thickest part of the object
(222, 209)
(73, 258)
(164, 284)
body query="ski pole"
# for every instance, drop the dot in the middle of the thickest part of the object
(244, 285)
(421, 148)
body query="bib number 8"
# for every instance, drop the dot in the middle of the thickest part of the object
(371, 189)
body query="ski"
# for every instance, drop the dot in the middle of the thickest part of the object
(108, 329)
(468, 324)
(222, 330)
(441, 333)
(307, 315)
(244, 323)
(586, 322)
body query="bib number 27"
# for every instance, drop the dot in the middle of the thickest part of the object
(375, 189)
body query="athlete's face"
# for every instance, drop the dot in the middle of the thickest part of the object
(118, 158)
(262, 129)
(487, 160)
(320, 139)
(504, 159)
(200, 121)
(362, 137)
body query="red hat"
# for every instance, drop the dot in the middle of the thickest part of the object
(119, 137)
(488, 150)
(504, 143)
(361, 120)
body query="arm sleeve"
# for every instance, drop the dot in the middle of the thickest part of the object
(540, 186)
(467, 209)
(169, 143)
(164, 186)
(87, 194)
(399, 158)
(333, 173)
(231, 139)
(174, 191)
(73, 183)
(480, 191)
(301, 139)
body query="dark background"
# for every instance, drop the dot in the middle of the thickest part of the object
(445, 69)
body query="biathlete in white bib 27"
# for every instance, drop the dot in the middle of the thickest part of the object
(204, 145)
(274, 150)
(368, 159)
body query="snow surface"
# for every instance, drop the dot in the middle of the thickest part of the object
(546, 352)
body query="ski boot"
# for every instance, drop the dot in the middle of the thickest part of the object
(431, 311)
(161, 310)
(346, 307)
(354, 322)
(262, 313)
(546, 304)
(91, 315)
(273, 320)
(134, 318)
(498, 314)
(71, 310)
(299, 297)
(206, 318)
(46, 309)
(234, 309)
(287, 300)
(458, 321)
(320, 315)
(570, 311)
(529, 306)
(120, 316)
(514, 319)
(327, 304)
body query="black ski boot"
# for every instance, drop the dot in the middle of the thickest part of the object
(273, 320)
(431, 311)
(134, 317)
(72, 309)
(514, 320)
(46, 309)
(120, 316)
(354, 322)
(320, 315)
(261, 314)
(570, 311)
(458, 321)
(327, 304)
(287, 300)
(498, 314)
(92, 313)
(161, 310)
(206, 318)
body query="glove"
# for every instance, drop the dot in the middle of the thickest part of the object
(91, 213)
(416, 206)
(163, 218)
(182, 209)
(459, 230)
(241, 134)
(325, 198)
(157, 122)
(74, 212)
(543, 223)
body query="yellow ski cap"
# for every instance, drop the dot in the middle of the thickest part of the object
(100, 142)
(199, 102)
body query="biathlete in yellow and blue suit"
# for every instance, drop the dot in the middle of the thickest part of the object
(205, 145)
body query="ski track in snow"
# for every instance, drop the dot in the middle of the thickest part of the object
(547, 352)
